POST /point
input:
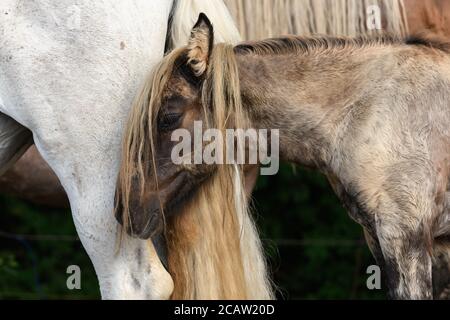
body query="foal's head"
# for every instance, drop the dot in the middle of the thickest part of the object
(191, 84)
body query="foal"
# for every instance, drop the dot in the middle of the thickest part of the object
(371, 114)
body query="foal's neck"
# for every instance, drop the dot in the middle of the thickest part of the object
(310, 96)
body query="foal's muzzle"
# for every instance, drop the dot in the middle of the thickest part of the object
(147, 223)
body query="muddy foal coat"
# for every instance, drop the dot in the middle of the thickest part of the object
(373, 115)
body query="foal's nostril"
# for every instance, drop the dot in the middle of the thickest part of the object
(151, 227)
(145, 219)
(143, 228)
(152, 221)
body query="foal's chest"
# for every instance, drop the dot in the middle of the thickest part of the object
(355, 208)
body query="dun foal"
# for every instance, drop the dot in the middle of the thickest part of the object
(372, 114)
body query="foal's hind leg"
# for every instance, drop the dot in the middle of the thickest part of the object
(14, 141)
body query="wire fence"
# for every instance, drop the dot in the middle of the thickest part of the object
(27, 241)
(320, 242)
(38, 237)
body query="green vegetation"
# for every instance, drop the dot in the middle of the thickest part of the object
(35, 268)
(315, 249)
(323, 254)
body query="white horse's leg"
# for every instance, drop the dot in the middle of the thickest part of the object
(14, 141)
(129, 271)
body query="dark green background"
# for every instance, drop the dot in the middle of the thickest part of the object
(315, 249)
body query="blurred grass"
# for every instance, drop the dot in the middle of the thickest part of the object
(37, 269)
(329, 258)
(323, 255)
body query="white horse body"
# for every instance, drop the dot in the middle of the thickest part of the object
(72, 87)
(69, 71)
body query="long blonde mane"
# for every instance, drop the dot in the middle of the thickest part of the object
(213, 245)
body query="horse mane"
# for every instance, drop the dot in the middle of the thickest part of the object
(214, 251)
(300, 44)
(429, 40)
(257, 19)
(304, 45)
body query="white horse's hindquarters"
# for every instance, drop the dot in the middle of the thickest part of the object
(72, 86)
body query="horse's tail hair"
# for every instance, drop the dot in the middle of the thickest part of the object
(258, 19)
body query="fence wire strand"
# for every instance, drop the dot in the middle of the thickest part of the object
(279, 242)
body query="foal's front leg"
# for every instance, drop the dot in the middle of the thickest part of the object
(407, 261)
(375, 249)
(391, 270)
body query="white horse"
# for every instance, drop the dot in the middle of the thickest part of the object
(69, 71)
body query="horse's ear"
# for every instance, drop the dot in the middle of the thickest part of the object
(200, 45)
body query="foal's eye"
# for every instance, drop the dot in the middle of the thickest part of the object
(169, 121)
